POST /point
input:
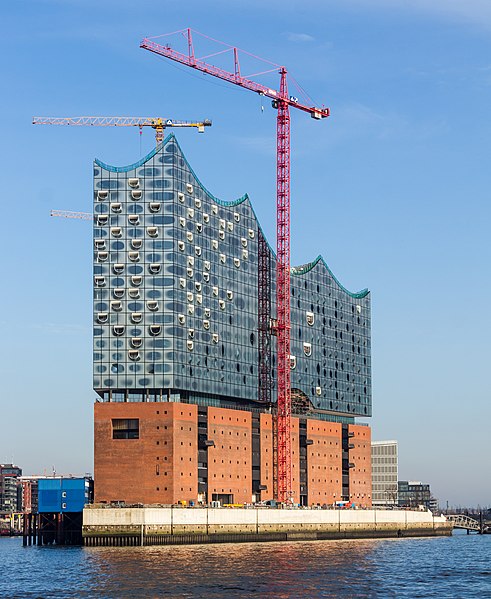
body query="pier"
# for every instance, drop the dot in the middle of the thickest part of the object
(121, 526)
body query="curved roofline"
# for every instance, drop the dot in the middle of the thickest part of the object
(305, 268)
(295, 270)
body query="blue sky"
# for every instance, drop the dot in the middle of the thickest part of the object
(393, 190)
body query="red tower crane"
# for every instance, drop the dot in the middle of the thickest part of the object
(282, 102)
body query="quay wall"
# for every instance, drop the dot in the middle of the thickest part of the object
(174, 526)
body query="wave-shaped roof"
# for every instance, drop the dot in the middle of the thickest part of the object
(295, 270)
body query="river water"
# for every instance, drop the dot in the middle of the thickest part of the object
(457, 566)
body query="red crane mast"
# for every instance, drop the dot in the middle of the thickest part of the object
(282, 102)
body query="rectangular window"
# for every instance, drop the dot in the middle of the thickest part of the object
(124, 428)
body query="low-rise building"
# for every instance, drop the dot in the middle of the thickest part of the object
(414, 494)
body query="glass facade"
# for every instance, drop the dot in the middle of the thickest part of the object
(178, 293)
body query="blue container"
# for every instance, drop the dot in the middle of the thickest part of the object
(62, 494)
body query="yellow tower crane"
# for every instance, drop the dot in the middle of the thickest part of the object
(158, 123)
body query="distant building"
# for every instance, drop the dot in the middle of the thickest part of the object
(10, 488)
(384, 473)
(414, 494)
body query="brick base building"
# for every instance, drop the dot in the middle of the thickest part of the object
(163, 453)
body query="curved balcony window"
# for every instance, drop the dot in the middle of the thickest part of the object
(190, 345)
(307, 349)
(152, 231)
(116, 207)
(181, 319)
(102, 256)
(189, 296)
(223, 258)
(207, 265)
(310, 318)
(189, 271)
(230, 295)
(136, 280)
(215, 338)
(134, 355)
(116, 305)
(180, 245)
(100, 244)
(102, 194)
(243, 241)
(215, 291)
(197, 203)
(221, 303)
(134, 292)
(189, 236)
(134, 182)
(190, 212)
(134, 219)
(118, 330)
(136, 194)
(134, 256)
(230, 226)
(102, 219)
(180, 197)
(118, 269)
(318, 391)
(136, 244)
(152, 305)
(116, 231)
(191, 333)
(136, 317)
(102, 317)
(245, 254)
(214, 244)
(118, 293)
(293, 362)
(221, 235)
(206, 325)
(154, 268)
(214, 208)
(237, 262)
(206, 218)
(154, 330)
(182, 283)
(206, 277)
(207, 312)
(100, 281)
(190, 309)
(251, 233)
(136, 342)
(199, 298)
(221, 223)
(190, 260)
(154, 206)
(197, 250)
(236, 217)
(189, 188)
(198, 286)
(199, 227)
(182, 221)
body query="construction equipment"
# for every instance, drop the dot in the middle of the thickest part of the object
(158, 124)
(69, 214)
(282, 101)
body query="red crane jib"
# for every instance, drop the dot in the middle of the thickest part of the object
(235, 78)
(282, 102)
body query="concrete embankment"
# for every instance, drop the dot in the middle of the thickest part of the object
(108, 526)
